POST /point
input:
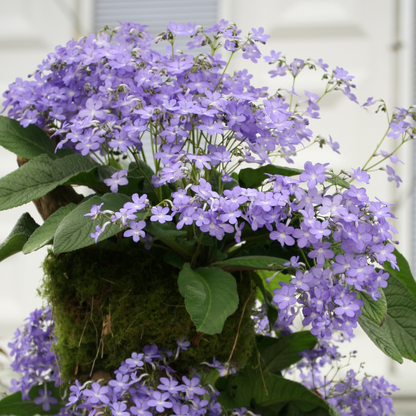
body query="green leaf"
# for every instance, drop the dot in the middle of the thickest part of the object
(404, 275)
(74, 231)
(253, 390)
(335, 180)
(276, 354)
(15, 241)
(166, 230)
(94, 178)
(253, 178)
(38, 177)
(28, 142)
(174, 259)
(210, 297)
(168, 234)
(45, 233)
(251, 263)
(14, 405)
(397, 336)
(374, 310)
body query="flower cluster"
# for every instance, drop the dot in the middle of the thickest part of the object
(145, 384)
(351, 396)
(33, 355)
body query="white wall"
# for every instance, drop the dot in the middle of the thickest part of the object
(29, 30)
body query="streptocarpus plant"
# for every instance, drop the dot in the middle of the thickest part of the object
(191, 219)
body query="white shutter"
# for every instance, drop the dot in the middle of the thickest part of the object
(156, 14)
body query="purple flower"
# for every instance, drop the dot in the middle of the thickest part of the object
(348, 305)
(321, 252)
(160, 401)
(135, 361)
(251, 52)
(259, 35)
(183, 344)
(97, 394)
(191, 387)
(160, 214)
(283, 235)
(169, 385)
(360, 176)
(313, 174)
(392, 176)
(95, 211)
(45, 399)
(117, 179)
(136, 230)
(284, 297)
(342, 75)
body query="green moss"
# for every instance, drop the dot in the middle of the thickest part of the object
(107, 305)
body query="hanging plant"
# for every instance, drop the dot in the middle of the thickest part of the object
(197, 244)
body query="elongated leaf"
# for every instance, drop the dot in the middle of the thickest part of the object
(174, 259)
(166, 230)
(397, 336)
(14, 405)
(210, 296)
(28, 142)
(253, 178)
(168, 234)
(251, 263)
(253, 390)
(276, 354)
(94, 178)
(45, 233)
(374, 310)
(38, 177)
(381, 337)
(335, 180)
(15, 241)
(74, 231)
(403, 275)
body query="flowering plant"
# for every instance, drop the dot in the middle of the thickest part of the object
(180, 159)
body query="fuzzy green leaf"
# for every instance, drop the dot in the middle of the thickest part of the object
(174, 259)
(277, 354)
(268, 392)
(28, 142)
(253, 178)
(74, 231)
(15, 241)
(94, 178)
(397, 336)
(210, 297)
(403, 275)
(45, 233)
(38, 177)
(14, 405)
(375, 310)
(251, 263)
(168, 234)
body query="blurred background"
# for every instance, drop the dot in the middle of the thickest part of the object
(372, 39)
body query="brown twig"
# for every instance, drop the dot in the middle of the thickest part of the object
(241, 319)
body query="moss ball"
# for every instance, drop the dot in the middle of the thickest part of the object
(107, 305)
